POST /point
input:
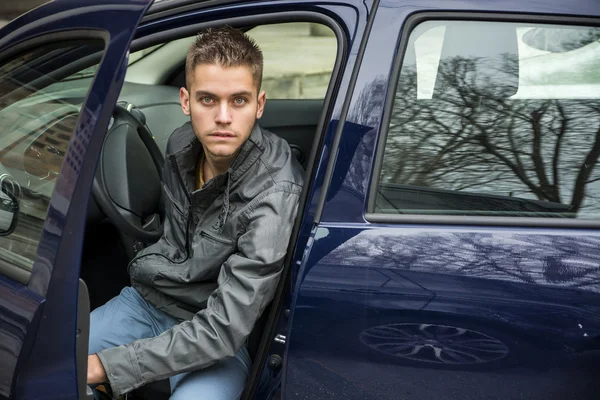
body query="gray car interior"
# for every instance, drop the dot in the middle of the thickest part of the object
(293, 120)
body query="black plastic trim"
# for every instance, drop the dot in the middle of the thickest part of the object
(344, 112)
(412, 22)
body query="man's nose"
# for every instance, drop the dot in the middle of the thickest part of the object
(224, 115)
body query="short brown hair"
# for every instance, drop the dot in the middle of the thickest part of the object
(227, 47)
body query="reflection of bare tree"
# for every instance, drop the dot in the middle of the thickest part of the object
(364, 114)
(555, 260)
(369, 105)
(473, 136)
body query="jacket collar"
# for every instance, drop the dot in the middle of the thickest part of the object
(186, 158)
(250, 151)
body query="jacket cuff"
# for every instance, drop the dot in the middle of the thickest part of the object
(122, 369)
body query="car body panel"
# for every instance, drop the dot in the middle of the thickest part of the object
(47, 307)
(365, 288)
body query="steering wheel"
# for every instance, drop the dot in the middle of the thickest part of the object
(128, 182)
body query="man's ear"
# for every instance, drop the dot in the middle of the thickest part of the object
(262, 99)
(184, 98)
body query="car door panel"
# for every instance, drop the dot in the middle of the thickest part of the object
(42, 357)
(433, 307)
(362, 305)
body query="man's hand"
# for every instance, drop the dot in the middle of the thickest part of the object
(95, 372)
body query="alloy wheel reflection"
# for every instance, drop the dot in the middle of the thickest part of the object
(434, 343)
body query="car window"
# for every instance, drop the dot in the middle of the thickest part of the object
(298, 59)
(140, 54)
(39, 109)
(496, 119)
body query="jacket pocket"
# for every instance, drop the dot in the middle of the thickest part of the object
(210, 252)
(217, 239)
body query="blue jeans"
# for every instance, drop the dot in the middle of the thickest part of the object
(129, 317)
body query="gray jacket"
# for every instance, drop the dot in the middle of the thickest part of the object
(218, 262)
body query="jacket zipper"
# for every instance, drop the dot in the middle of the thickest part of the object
(174, 202)
(175, 169)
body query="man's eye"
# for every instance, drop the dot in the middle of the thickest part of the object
(206, 100)
(240, 101)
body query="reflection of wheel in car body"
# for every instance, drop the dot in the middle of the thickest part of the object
(448, 343)
(434, 343)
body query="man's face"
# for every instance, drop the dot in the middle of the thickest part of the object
(223, 105)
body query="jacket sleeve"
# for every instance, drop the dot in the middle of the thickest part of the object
(246, 284)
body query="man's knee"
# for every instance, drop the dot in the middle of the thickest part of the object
(118, 322)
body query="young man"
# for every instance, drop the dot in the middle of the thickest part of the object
(232, 192)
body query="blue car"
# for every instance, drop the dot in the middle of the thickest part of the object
(448, 241)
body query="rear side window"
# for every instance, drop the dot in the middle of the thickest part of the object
(495, 119)
(298, 59)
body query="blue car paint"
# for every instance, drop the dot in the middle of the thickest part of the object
(47, 367)
(359, 276)
(339, 287)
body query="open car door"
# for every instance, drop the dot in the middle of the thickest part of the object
(61, 69)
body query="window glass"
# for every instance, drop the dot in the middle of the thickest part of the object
(140, 54)
(298, 59)
(41, 94)
(498, 119)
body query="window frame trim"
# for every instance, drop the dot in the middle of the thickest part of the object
(412, 22)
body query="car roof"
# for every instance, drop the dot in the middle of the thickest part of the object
(165, 8)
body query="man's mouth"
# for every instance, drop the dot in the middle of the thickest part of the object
(222, 134)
